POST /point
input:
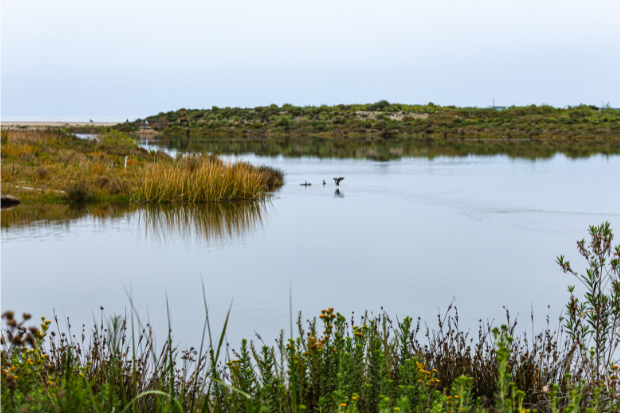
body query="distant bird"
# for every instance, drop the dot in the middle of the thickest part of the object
(91, 120)
(305, 184)
(338, 181)
(323, 181)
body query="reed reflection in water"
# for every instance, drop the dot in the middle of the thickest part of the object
(210, 223)
(201, 223)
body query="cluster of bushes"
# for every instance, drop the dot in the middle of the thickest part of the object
(368, 365)
(385, 119)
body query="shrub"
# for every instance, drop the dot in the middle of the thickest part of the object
(594, 322)
(382, 104)
(116, 141)
(78, 192)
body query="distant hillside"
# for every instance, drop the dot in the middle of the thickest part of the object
(384, 120)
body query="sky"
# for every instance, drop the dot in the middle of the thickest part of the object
(127, 59)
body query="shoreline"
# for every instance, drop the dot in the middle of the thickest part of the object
(40, 124)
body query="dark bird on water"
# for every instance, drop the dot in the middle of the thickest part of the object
(305, 184)
(323, 181)
(338, 181)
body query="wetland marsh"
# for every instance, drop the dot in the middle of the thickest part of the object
(415, 229)
(408, 234)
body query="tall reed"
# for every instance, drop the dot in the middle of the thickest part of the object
(200, 178)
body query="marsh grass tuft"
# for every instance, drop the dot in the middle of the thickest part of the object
(202, 178)
(78, 192)
(272, 177)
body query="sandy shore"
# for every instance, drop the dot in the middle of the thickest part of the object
(54, 124)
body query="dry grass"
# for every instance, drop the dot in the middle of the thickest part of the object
(98, 167)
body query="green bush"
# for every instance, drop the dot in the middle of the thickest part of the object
(116, 139)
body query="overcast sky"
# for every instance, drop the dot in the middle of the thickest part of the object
(135, 58)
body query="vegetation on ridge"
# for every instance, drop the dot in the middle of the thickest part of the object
(366, 365)
(384, 120)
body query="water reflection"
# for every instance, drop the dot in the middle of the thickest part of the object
(381, 150)
(49, 215)
(210, 223)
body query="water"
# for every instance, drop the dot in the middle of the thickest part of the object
(408, 235)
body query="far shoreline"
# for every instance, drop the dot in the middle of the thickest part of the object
(36, 124)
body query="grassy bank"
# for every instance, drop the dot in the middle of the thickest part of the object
(385, 120)
(53, 166)
(369, 364)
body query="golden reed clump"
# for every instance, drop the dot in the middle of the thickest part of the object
(202, 178)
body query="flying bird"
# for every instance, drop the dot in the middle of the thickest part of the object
(338, 181)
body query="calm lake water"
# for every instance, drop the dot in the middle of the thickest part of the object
(408, 231)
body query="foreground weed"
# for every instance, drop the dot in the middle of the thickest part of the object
(364, 365)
